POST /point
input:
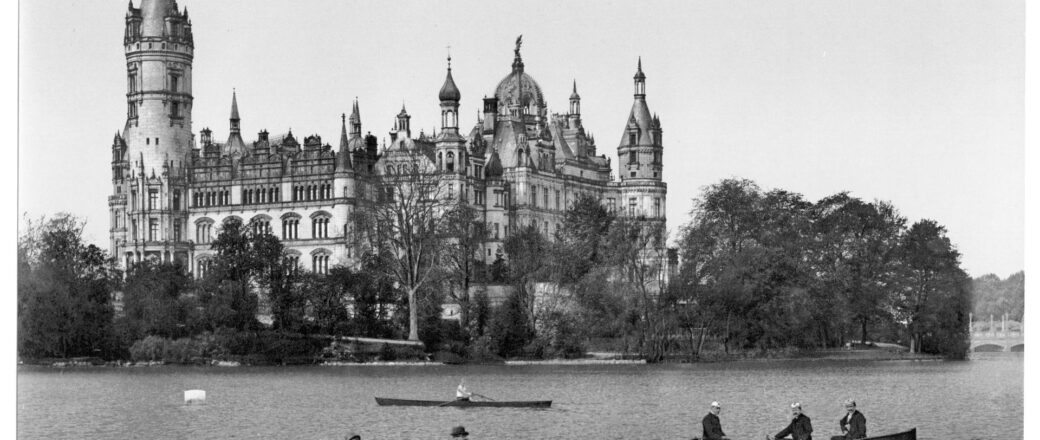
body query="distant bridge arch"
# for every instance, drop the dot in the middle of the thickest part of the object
(1003, 335)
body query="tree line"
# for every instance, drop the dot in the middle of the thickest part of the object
(753, 271)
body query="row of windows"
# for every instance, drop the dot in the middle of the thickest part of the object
(319, 264)
(221, 197)
(545, 198)
(290, 228)
(261, 195)
(322, 191)
(152, 202)
(633, 158)
(176, 232)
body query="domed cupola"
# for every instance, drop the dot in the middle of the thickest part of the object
(518, 88)
(449, 91)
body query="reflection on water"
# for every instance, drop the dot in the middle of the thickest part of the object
(981, 398)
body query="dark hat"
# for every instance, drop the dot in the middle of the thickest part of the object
(353, 436)
(459, 431)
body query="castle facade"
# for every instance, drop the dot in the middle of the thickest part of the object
(517, 165)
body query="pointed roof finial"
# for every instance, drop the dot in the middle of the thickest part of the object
(234, 104)
(574, 90)
(639, 69)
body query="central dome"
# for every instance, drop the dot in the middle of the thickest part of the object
(519, 87)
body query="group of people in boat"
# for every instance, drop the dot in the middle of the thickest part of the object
(853, 424)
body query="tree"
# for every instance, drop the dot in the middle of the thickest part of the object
(405, 226)
(855, 255)
(64, 291)
(577, 249)
(466, 234)
(526, 250)
(934, 296)
(154, 300)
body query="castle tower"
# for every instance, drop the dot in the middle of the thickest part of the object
(148, 205)
(640, 158)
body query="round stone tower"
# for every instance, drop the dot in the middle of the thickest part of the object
(150, 192)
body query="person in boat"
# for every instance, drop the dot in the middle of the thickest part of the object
(853, 424)
(711, 424)
(800, 427)
(461, 393)
(459, 431)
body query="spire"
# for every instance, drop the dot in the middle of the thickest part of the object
(355, 121)
(640, 80)
(234, 105)
(343, 155)
(574, 91)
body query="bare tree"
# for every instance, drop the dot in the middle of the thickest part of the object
(403, 223)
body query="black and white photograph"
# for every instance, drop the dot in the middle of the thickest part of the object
(343, 220)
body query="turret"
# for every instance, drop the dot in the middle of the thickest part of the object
(449, 97)
(343, 162)
(574, 115)
(234, 144)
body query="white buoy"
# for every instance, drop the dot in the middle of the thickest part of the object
(194, 396)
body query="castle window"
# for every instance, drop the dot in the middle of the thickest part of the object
(175, 111)
(440, 160)
(478, 171)
(632, 138)
(177, 230)
(293, 264)
(657, 207)
(451, 191)
(534, 196)
(632, 206)
(177, 199)
(320, 227)
(148, 141)
(133, 200)
(451, 161)
(557, 200)
(611, 205)
(153, 229)
(632, 156)
(153, 199)
(203, 232)
(498, 198)
(290, 228)
(545, 198)
(133, 229)
(496, 231)
(478, 197)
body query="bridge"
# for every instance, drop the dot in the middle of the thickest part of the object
(1003, 335)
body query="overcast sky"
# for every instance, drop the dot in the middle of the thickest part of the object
(919, 103)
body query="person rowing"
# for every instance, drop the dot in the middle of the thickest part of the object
(711, 424)
(800, 427)
(461, 393)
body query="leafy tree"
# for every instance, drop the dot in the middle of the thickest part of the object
(526, 249)
(466, 234)
(577, 248)
(934, 297)
(156, 300)
(64, 291)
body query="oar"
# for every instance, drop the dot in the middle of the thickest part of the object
(445, 403)
(486, 397)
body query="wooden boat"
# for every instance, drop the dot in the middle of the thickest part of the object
(383, 401)
(908, 435)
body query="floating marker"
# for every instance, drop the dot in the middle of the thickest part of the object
(194, 396)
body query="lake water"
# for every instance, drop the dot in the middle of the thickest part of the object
(978, 399)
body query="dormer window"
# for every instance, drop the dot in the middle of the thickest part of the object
(631, 157)
(632, 138)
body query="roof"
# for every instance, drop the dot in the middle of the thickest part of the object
(520, 88)
(449, 92)
(153, 14)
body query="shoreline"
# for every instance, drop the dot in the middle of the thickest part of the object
(596, 359)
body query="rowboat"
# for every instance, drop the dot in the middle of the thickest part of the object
(383, 401)
(907, 435)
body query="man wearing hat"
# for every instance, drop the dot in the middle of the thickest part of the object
(459, 431)
(711, 424)
(800, 427)
(853, 425)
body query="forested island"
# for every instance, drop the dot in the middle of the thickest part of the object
(753, 273)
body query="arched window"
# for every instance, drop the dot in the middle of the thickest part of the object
(260, 225)
(440, 160)
(204, 230)
(451, 161)
(290, 226)
(320, 261)
(320, 224)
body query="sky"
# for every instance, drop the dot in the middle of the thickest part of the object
(920, 103)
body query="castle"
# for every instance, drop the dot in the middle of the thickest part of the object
(518, 165)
